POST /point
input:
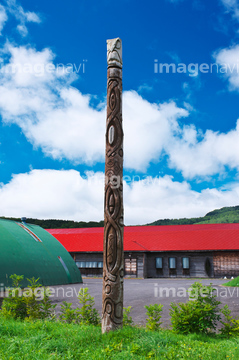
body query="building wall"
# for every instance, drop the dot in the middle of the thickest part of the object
(134, 258)
(197, 264)
(140, 265)
(143, 265)
(226, 263)
(89, 259)
(134, 263)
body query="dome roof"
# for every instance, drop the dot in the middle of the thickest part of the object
(31, 251)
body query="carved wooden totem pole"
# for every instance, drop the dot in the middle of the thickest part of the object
(113, 258)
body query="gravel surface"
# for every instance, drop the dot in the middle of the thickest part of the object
(140, 292)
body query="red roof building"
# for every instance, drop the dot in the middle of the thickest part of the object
(160, 251)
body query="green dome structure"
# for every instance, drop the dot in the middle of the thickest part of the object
(31, 251)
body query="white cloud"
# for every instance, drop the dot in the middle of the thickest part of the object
(203, 155)
(64, 194)
(144, 88)
(162, 198)
(3, 17)
(189, 150)
(22, 16)
(53, 194)
(22, 29)
(232, 6)
(58, 118)
(147, 129)
(227, 59)
(51, 113)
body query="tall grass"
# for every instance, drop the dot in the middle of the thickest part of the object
(54, 340)
(233, 282)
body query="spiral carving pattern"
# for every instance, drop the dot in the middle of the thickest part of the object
(113, 259)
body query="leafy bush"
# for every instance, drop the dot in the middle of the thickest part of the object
(68, 314)
(30, 303)
(46, 306)
(88, 314)
(13, 305)
(33, 306)
(230, 326)
(154, 315)
(200, 314)
(127, 319)
(34, 303)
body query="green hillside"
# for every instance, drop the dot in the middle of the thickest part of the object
(224, 215)
(219, 216)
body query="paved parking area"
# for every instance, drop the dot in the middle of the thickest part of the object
(140, 292)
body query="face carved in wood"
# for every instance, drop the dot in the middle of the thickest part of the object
(114, 52)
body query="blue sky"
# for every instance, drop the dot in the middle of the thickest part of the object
(180, 107)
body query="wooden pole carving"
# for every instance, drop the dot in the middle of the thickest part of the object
(113, 258)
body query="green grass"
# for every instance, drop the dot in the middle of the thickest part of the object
(55, 340)
(233, 282)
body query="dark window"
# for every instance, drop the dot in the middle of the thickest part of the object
(80, 264)
(172, 263)
(89, 264)
(159, 263)
(185, 263)
(208, 267)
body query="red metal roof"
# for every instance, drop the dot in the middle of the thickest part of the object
(155, 238)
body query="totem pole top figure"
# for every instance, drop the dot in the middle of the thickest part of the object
(114, 53)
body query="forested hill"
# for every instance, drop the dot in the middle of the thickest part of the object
(224, 215)
(219, 216)
(59, 224)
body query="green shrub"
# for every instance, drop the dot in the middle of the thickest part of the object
(230, 326)
(46, 307)
(13, 305)
(200, 314)
(68, 314)
(29, 298)
(127, 319)
(88, 314)
(30, 303)
(154, 315)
